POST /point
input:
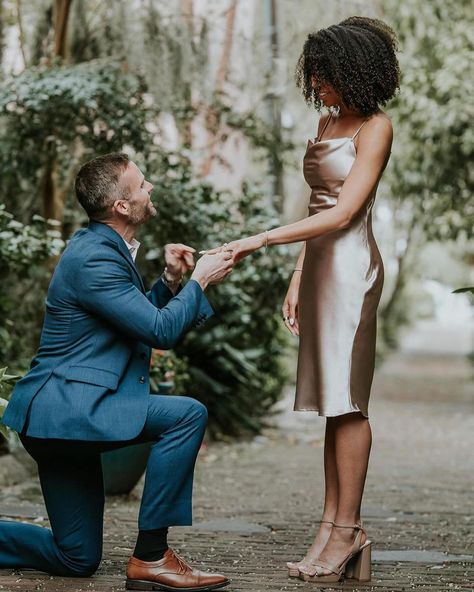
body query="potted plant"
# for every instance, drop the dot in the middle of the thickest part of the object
(123, 468)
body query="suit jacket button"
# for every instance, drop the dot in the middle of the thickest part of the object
(142, 380)
(143, 356)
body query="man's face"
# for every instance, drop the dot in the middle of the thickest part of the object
(139, 205)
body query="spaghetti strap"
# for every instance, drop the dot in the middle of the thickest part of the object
(319, 136)
(360, 127)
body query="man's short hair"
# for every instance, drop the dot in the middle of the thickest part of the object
(98, 183)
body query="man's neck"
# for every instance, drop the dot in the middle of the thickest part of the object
(126, 231)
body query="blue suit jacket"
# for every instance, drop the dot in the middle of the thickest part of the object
(90, 377)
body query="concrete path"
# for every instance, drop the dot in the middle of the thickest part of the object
(256, 503)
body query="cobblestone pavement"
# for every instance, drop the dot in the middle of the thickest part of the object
(256, 502)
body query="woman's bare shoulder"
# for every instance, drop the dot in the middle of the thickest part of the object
(379, 125)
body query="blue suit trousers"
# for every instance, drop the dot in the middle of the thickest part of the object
(70, 473)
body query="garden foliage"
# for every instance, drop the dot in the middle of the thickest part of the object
(235, 362)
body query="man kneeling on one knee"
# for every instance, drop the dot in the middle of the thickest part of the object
(87, 391)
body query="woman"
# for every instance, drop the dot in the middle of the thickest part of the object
(350, 68)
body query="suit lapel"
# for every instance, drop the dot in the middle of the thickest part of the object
(110, 233)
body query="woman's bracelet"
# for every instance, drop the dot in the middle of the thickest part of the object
(266, 241)
(297, 269)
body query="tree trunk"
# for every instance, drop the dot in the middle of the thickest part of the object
(187, 11)
(62, 9)
(1, 37)
(53, 192)
(274, 102)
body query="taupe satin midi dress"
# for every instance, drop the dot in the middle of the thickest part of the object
(340, 289)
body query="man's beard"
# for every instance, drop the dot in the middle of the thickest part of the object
(139, 215)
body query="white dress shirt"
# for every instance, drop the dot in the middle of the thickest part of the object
(133, 247)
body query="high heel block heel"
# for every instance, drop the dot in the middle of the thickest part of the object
(360, 567)
(356, 565)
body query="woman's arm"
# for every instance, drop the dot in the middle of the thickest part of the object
(289, 309)
(375, 141)
(373, 151)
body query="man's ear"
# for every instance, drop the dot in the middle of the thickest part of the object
(121, 206)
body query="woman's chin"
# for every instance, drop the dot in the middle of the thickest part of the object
(329, 102)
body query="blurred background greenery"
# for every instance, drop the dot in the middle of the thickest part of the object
(200, 93)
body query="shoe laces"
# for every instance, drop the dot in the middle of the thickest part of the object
(181, 562)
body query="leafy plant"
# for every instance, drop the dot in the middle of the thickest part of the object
(7, 382)
(167, 367)
(235, 364)
(21, 244)
(431, 170)
(22, 248)
(52, 119)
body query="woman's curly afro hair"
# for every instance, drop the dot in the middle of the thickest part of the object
(357, 58)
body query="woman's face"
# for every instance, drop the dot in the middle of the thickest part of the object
(326, 93)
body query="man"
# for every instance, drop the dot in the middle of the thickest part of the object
(88, 389)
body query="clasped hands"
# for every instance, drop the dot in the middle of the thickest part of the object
(214, 265)
(239, 248)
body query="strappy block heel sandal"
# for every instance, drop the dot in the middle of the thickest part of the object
(356, 565)
(293, 566)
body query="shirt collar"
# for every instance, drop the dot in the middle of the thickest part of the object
(132, 247)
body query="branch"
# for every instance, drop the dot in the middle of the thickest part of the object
(21, 35)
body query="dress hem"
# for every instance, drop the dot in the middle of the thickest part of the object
(306, 409)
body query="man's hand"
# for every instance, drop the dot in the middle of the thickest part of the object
(212, 269)
(179, 259)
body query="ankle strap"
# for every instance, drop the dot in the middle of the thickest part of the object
(352, 526)
(326, 522)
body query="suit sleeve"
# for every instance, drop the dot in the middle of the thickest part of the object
(105, 288)
(160, 294)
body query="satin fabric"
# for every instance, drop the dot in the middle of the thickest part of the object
(340, 289)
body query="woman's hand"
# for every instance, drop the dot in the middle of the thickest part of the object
(290, 305)
(240, 248)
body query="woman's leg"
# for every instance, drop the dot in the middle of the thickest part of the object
(330, 473)
(352, 443)
(330, 499)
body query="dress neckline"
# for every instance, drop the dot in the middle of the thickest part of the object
(318, 141)
(351, 138)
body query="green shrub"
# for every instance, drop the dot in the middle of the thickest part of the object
(235, 362)
(60, 117)
(7, 382)
(22, 248)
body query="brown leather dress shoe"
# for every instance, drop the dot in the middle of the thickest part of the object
(170, 573)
